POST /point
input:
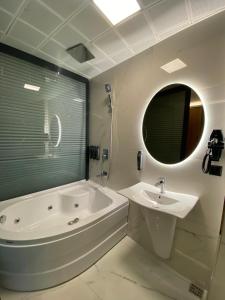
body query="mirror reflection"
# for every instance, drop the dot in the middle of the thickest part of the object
(173, 123)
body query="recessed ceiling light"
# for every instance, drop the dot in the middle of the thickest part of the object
(174, 65)
(31, 87)
(117, 10)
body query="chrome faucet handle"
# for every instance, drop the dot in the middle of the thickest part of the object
(102, 174)
(162, 179)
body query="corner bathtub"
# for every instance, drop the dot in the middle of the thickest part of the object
(51, 236)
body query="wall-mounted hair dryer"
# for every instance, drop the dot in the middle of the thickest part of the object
(213, 153)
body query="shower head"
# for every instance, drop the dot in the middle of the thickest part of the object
(108, 88)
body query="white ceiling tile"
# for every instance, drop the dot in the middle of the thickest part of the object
(110, 43)
(4, 20)
(17, 44)
(83, 68)
(71, 62)
(64, 9)
(103, 65)
(74, 70)
(26, 34)
(10, 5)
(46, 57)
(144, 3)
(202, 8)
(90, 72)
(99, 55)
(136, 30)
(122, 56)
(55, 50)
(68, 37)
(90, 22)
(167, 15)
(40, 17)
(139, 47)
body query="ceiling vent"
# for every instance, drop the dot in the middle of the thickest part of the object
(80, 53)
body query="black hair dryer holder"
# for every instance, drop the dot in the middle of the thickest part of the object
(213, 153)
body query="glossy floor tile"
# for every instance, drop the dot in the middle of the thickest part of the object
(126, 272)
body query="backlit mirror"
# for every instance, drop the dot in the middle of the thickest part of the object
(173, 124)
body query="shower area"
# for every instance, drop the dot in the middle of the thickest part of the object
(43, 125)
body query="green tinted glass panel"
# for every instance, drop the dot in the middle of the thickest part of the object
(42, 133)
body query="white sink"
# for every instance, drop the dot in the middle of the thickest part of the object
(149, 196)
(160, 211)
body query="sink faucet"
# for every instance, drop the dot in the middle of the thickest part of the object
(161, 183)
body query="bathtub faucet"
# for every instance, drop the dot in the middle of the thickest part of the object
(2, 219)
(102, 174)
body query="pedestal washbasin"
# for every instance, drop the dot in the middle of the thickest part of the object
(160, 211)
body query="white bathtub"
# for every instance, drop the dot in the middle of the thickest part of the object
(51, 236)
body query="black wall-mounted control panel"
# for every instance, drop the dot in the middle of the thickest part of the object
(94, 152)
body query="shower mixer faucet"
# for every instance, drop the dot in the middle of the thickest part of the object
(102, 174)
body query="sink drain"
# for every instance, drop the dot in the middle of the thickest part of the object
(74, 221)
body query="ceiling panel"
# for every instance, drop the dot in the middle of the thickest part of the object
(68, 37)
(49, 27)
(98, 54)
(26, 34)
(168, 15)
(141, 46)
(5, 20)
(48, 58)
(11, 6)
(103, 65)
(40, 17)
(110, 43)
(90, 22)
(144, 3)
(64, 9)
(201, 8)
(122, 55)
(55, 50)
(18, 44)
(136, 30)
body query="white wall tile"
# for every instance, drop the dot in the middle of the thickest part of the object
(134, 83)
(26, 34)
(90, 22)
(40, 17)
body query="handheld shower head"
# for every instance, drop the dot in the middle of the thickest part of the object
(108, 88)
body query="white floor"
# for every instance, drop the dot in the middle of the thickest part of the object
(127, 272)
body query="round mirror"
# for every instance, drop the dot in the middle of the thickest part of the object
(173, 124)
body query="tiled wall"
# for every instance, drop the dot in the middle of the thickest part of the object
(134, 83)
(217, 288)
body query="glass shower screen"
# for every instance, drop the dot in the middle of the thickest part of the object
(42, 128)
